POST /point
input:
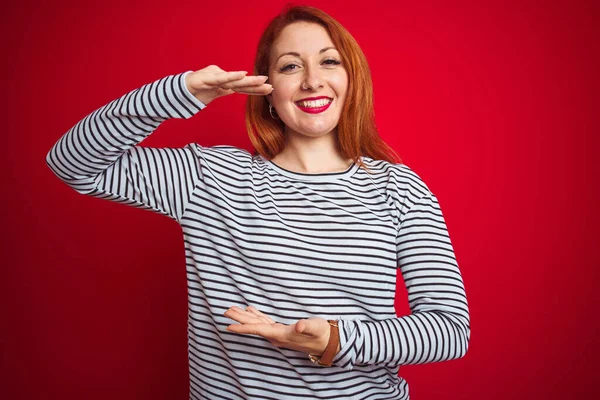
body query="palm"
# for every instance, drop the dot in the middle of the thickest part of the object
(307, 335)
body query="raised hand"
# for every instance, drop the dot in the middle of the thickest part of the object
(212, 82)
(307, 335)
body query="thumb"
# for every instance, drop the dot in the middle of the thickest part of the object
(224, 92)
(307, 326)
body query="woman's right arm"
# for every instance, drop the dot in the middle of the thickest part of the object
(99, 156)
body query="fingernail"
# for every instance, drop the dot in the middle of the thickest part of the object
(263, 77)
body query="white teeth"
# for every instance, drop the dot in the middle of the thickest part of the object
(315, 103)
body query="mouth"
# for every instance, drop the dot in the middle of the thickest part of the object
(314, 106)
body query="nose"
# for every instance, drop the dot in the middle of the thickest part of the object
(312, 79)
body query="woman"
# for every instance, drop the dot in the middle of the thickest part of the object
(291, 253)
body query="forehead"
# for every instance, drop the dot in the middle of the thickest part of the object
(301, 37)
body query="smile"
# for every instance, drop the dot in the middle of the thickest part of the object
(314, 106)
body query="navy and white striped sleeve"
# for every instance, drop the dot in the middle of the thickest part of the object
(438, 328)
(99, 156)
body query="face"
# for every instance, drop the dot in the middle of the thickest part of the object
(304, 65)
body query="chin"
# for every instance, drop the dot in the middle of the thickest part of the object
(314, 131)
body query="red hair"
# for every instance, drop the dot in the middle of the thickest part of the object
(356, 131)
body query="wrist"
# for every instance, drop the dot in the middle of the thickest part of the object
(200, 95)
(333, 347)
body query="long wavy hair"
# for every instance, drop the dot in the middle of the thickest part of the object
(356, 131)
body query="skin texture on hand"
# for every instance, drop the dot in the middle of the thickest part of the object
(309, 335)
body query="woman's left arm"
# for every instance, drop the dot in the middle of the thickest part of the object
(438, 328)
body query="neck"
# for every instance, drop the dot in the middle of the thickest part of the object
(312, 155)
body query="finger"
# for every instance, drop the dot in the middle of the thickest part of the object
(260, 314)
(220, 78)
(242, 316)
(247, 81)
(265, 330)
(262, 318)
(251, 93)
(264, 87)
(225, 79)
(254, 90)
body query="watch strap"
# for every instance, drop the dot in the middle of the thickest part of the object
(326, 359)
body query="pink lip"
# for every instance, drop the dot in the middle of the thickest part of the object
(314, 110)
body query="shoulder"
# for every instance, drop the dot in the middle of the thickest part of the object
(221, 159)
(221, 150)
(221, 153)
(400, 177)
(404, 187)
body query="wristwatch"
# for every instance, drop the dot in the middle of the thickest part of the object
(326, 359)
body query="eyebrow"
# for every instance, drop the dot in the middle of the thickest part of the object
(293, 53)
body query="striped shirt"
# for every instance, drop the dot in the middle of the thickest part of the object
(292, 245)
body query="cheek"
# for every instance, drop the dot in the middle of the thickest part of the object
(283, 91)
(340, 85)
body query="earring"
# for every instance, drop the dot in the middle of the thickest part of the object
(271, 111)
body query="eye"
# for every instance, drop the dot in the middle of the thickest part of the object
(287, 67)
(332, 61)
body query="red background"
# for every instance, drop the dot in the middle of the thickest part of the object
(493, 104)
